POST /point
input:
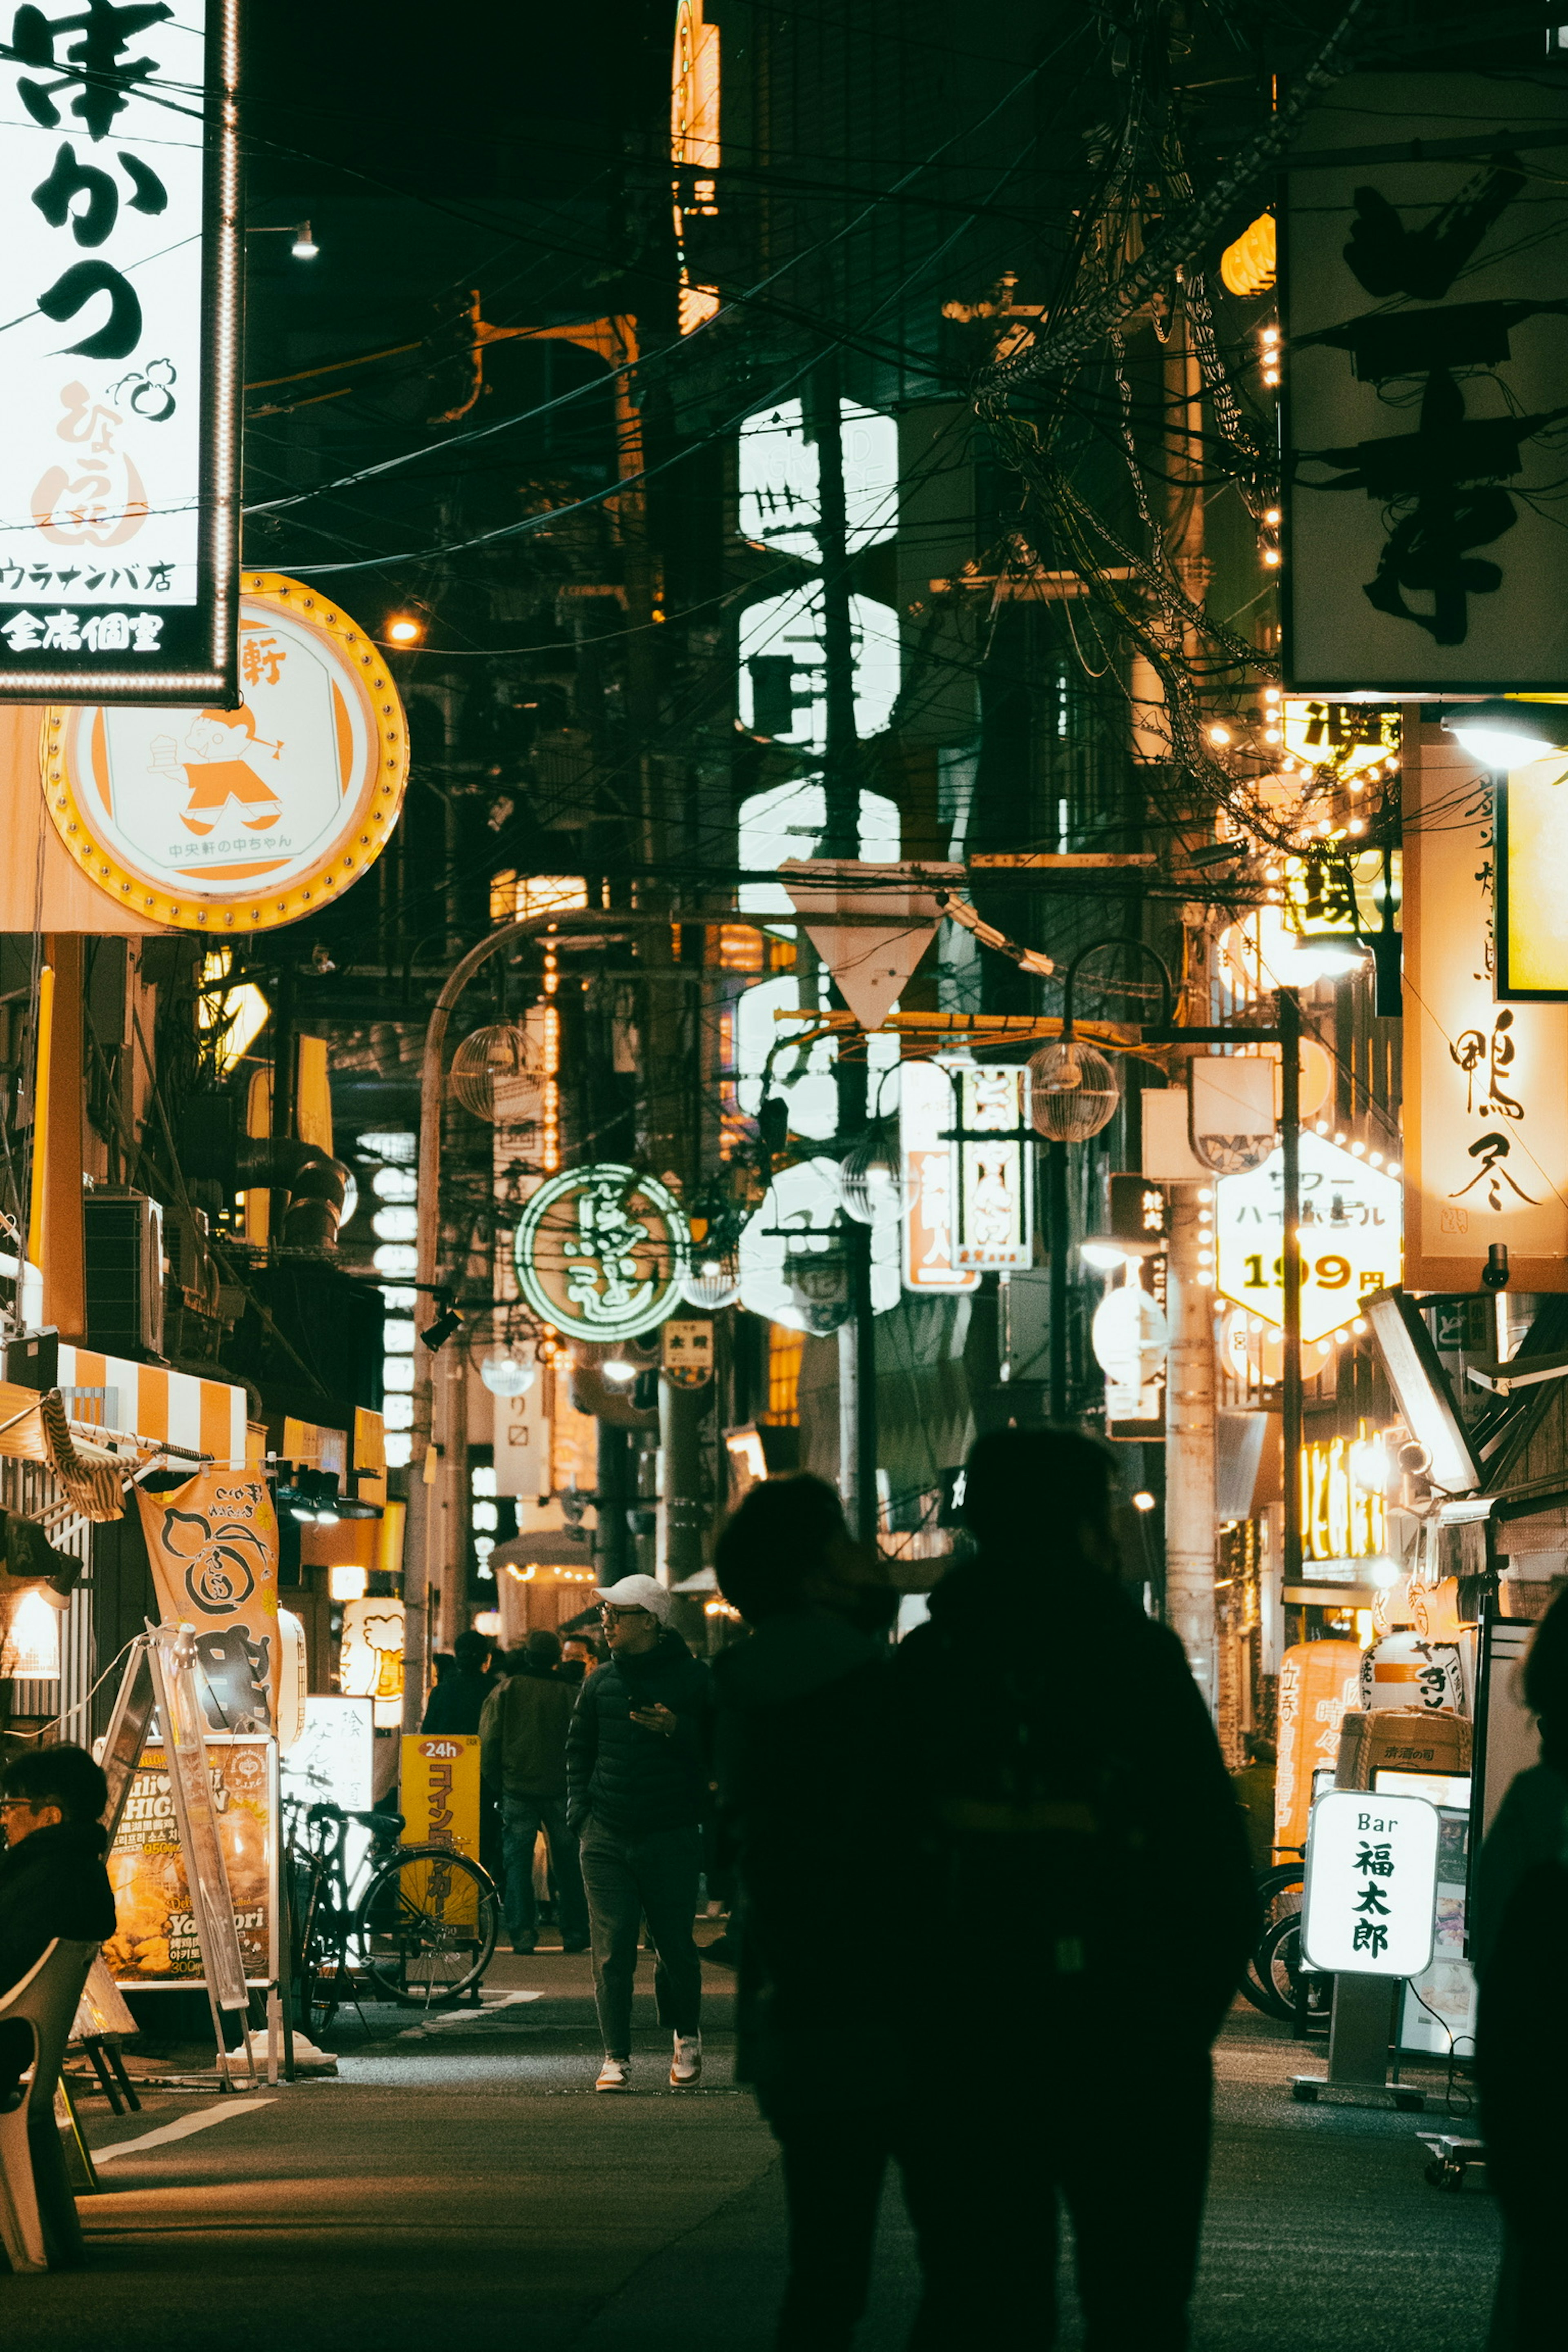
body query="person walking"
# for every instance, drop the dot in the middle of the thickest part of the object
(1073, 1801)
(637, 1762)
(522, 1756)
(458, 1701)
(1519, 1932)
(809, 1806)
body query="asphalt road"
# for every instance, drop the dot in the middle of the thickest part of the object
(465, 2186)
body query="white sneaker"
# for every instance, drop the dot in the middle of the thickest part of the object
(686, 2066)
(615, 2074)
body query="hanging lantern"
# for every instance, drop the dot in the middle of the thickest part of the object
(508, 1370)
(487, 1066)
(713, 1278)
(1073, 1090)
(873, 1176)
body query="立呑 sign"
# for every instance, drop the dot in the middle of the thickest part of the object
(1351, 1221)
(1318, 1681)
(600, 1251)
(119, 412)
(155, 1940)
(230, 820)
(440, 1806)
(1372, 1885)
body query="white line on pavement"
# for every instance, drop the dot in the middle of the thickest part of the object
(469, 2017)
(187, 2124)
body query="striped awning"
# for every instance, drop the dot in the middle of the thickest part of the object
(157, 1407)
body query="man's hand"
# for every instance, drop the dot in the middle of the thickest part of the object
(656, 1718)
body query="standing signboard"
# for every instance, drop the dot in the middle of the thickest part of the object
(119, 281)
(1372, 1885)
(1318, 1681)
(440, 1806)
(156, 1940)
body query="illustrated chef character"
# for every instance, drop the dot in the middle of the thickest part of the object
(218, 768)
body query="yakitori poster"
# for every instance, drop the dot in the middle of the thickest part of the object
(155, 1942)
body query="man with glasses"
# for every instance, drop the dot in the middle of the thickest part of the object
(638, 1787)
(52, 1878)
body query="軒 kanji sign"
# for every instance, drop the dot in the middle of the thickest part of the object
(119, 278)
(1351, 1225)
(1372, 1885)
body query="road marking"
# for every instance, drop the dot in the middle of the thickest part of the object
(232, 2105)
(469, 2017)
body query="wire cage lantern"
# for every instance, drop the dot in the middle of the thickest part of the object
(503, 1348)
(487, 1066)
(1073, 1090)
(872, 1175)
(712, 1279)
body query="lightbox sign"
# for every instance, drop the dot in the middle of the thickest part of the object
(1351, 1219)
(995, 1188)
(119, 278)
(928, 1113)
(600, 1251)
(238, 820)
(780, 503)
(1372, 1885)
(1340, 1518)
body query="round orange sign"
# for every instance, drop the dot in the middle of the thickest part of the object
(225, 821)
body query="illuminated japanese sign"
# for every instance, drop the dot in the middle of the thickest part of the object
(231, 820)
(600, 1251)
(1341, 1519)
(118, 272)
(995, 1188)
(780, 503)
(1531, 859)
(1485, 1083)
(1349, 1237)
(928, 1112)
(1372, 1885)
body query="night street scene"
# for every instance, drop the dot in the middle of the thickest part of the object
(784, 1176)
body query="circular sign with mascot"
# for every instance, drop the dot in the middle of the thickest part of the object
(600, 1251)
(225, 821)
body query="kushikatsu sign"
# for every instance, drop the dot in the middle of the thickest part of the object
(119, 285)
(231, 820)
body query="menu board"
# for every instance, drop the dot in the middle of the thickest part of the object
(155, 1941)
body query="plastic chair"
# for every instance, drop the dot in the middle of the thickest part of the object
(37, 2211)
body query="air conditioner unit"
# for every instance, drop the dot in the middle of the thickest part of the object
(123, 1250)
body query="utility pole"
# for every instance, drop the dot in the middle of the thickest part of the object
(1190, 1447)
(841, 839)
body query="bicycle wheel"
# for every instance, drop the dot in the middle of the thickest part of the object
(426, 1926)
(1277, 1969)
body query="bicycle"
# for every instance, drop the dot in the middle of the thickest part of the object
(419, 1922)
(1274, 1980)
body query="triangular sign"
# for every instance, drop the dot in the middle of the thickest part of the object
(870, 960)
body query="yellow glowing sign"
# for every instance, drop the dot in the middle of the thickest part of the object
(1339, 1519)
(1345, 738)
(1248, 266)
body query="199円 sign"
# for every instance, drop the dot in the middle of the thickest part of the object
(119, 271)
(1352, 1221)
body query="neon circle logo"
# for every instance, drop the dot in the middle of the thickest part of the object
(600, 1251)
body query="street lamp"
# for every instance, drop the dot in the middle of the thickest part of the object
(1504, 735)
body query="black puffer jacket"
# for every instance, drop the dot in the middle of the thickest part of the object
(622, 1775)
(52, 1884)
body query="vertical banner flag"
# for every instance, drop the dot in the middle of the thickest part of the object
(1486, 1082)
(1318, 1680)
(1424, 278)
(213, 1546)
(119, 279)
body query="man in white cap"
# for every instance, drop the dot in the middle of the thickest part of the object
(638, 1776)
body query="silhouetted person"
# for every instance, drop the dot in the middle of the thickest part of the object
(1518, 1934)
(458, 1700)
(522, 1756)
(1075, 1815)
(809, 1800)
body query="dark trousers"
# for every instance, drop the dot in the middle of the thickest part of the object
(980, 2178)
(628, 1879)
(522, 1817)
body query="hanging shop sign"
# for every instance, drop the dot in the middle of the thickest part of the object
(1531, 859)
(1341, 1519)
(156, 1939)
(1424, 390)
(600, 1251)
(794, 1254)
(1349, 1237)
(928, 1113)
(119, 408)
(212, 1544)
(230, 820)
(1131, 1338)
(993, 1186)
(370, 1660)
(1372, 1885)
(686, 1353)
(1485, 1083)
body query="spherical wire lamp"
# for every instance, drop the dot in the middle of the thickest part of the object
(872, 1175)
(1073, 1090)
(713, 1278)
(487, 1064)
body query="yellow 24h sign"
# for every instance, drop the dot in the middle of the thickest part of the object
(440, 1806)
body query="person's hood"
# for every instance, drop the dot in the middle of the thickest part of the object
(791, 1655)
(85, 1839)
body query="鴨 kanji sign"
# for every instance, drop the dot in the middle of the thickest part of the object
(1372, 1885)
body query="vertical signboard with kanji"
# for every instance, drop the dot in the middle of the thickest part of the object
(1486, 1082)
(1372, 1885)
(995, 1188)
(440, 1807)
(119, 282)
(928, 1113)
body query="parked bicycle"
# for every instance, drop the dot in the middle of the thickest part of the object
(1275, 1980)
(416, 1924)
